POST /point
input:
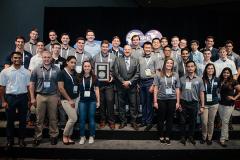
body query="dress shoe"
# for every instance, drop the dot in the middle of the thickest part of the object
(202, 141)
(9, 144)
(191, 140)
(183, 141)
(70, 141)
(22, 143)
(149, 126)
(209, 142)
(167, 140)
(54, 141)
(122, 125)
(36, 142)
(112, 126)
(135, 126)
(142, 125)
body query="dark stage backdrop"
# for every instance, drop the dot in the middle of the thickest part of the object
(221, 21)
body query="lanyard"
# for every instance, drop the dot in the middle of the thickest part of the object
(84, 83)
(62, 53)
(81, 58)
(50, 48)
(211, 86)
(50, 74)
(69, 76)
(147, 61)
(166, 81)
(102, 57)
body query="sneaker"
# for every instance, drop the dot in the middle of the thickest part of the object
(82, 140)
(167, 140)
(162, 140)
(91, 140)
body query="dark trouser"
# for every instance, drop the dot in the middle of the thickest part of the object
(166, 109)
(188, 113)
(19, 102)
(107, 104)
(130, 95)
(147, 100)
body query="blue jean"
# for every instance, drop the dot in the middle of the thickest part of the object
(87, 109)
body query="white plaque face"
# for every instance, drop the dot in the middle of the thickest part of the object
(102, 67)
(101, 74)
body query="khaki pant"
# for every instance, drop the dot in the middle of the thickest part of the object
(208, 117)
(72, 116)
(46, 103)
(225, 113)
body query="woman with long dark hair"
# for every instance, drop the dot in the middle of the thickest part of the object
(89, 100)
(166, 98)
(68, 88)
(212, 85)
(229, 92)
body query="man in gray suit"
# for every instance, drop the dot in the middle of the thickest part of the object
(126, 70)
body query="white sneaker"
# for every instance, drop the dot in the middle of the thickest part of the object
(82, 140)
(91, 140)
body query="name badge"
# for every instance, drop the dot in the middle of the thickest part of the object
(188, 85)
(46, 84)
(78, 69)
(58, 65)
(75, 89)
(87, 93)
(209, 97)
(169, 91)
(148, 72)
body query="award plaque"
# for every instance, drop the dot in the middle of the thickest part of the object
(102, 71)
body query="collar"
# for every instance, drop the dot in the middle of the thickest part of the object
(79, 52)
(14, 69)
(137, 47)
(32, 42)
(53, 42)
(51, 66)
(176, 49)
(90, 43)
(223, 60)
(194, 76)
(104, 54)
(147, 55)
(65, 48)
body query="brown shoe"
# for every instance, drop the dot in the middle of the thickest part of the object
(112, 126)
(102, 124)
(122, 125)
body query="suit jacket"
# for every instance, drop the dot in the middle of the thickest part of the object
(121, 74)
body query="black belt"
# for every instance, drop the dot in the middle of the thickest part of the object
(46, 94)
(147, 79)
(17, 95)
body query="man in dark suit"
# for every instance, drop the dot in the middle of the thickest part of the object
(126, 70)
(209, 42)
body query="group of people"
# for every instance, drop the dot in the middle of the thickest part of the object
(168, 78)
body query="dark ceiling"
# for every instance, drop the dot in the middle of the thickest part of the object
(181, 3)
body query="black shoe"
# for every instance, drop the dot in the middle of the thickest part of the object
(209, 142)
(36, 142)
(167, 140)
(135, 126)
(142, 125)
(122, 125)
(9, 144)
(149, 126)
(22, 143)
(202, 141)
(230, 127)
(54, 141)
(162, 140)
(191, 140)
(183, 141)
(223, 144)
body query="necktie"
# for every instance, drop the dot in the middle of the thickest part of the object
(127, 63)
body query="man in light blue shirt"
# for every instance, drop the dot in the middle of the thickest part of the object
(196, 55)
(91, 46)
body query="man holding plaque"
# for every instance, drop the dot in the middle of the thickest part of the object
(103, 67)
(126, 71)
